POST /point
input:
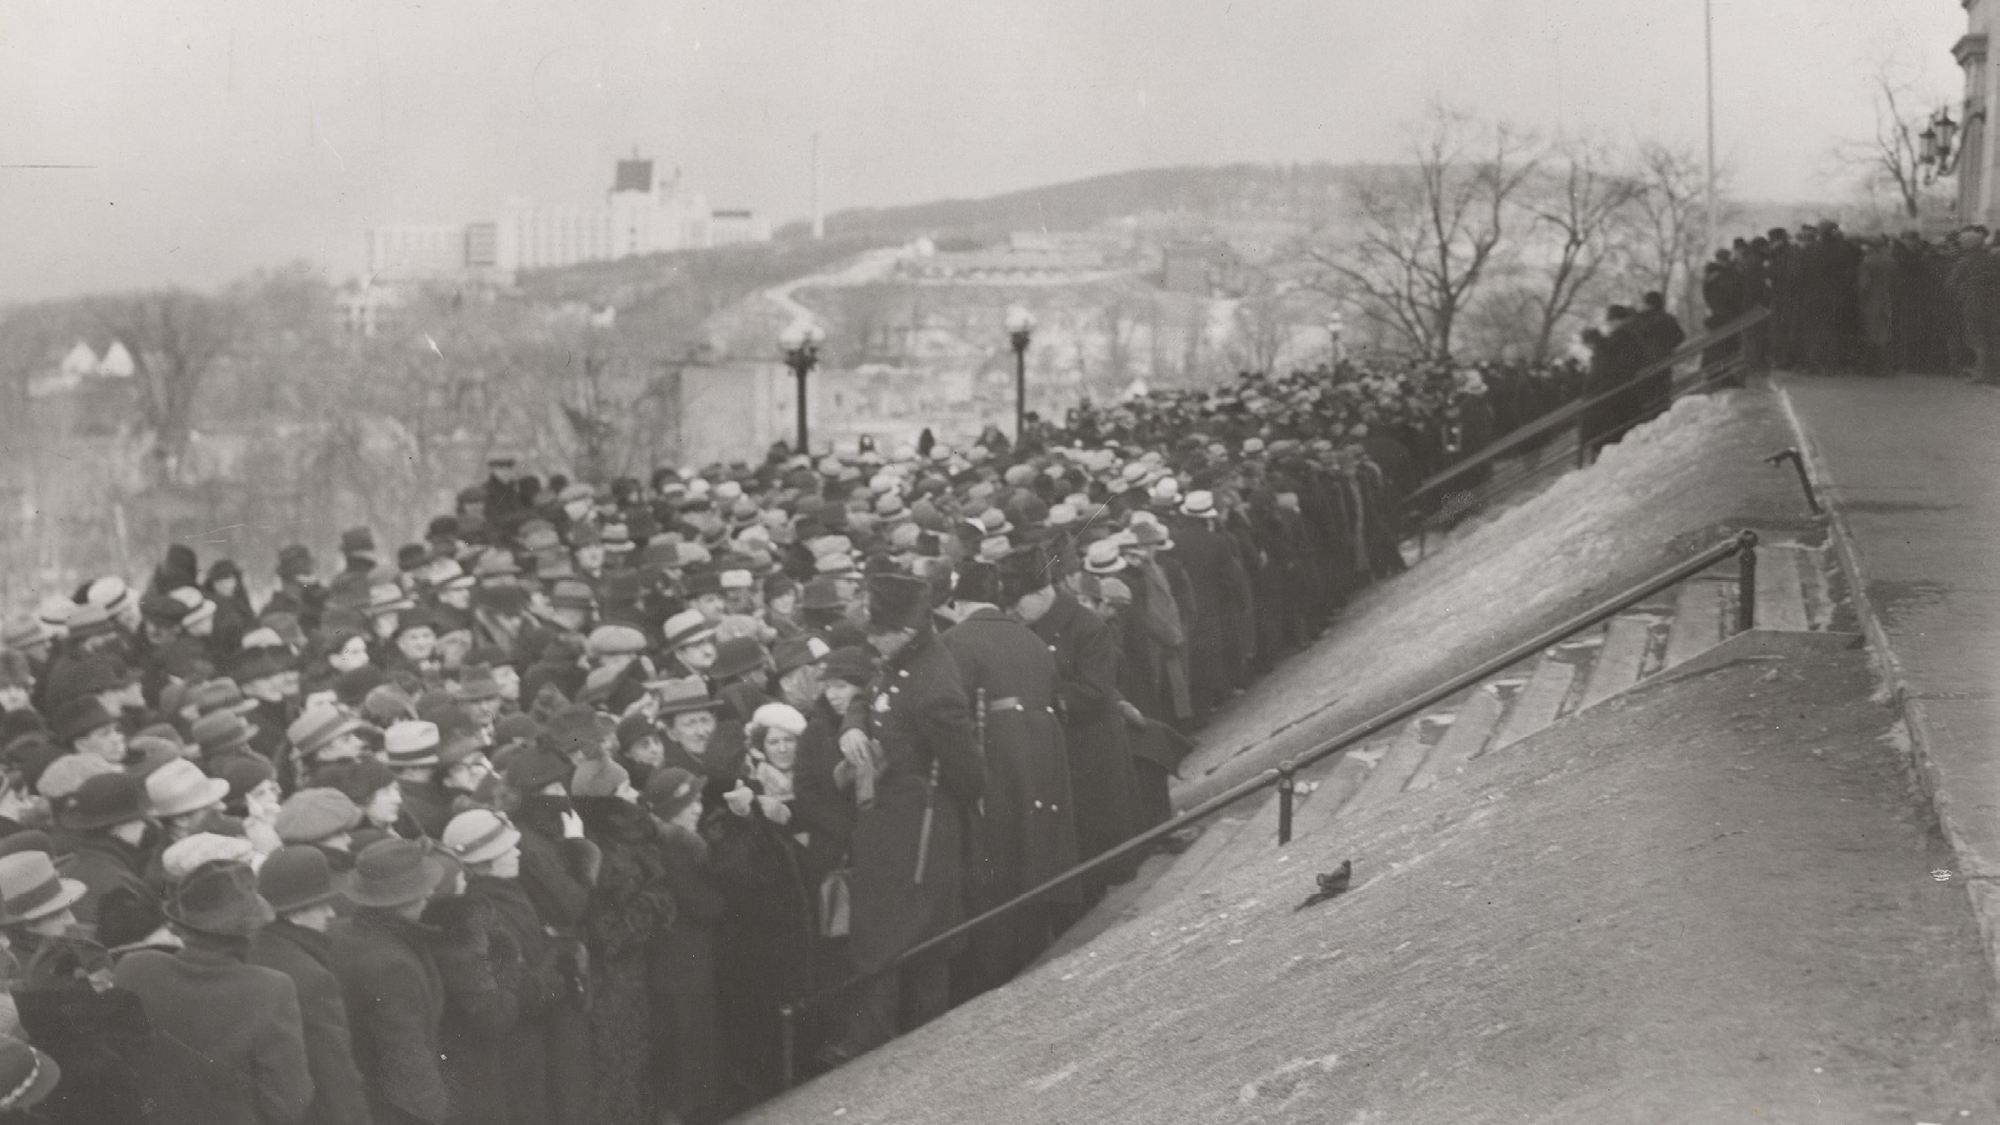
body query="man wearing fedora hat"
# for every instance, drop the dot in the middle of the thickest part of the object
(184, 801)
(301, 887)
(410, 750)
(389, 976)
(111, 839)
(228, 1041)
(913, 728)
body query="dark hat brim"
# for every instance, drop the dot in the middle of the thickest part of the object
(339, 886)
(430, 873)
(246, 919)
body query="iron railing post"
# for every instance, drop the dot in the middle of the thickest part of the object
(788, 1045)
(1746, 581)
(1287, 786)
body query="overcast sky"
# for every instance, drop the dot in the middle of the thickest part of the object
(217, 136)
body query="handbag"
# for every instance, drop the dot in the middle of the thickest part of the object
(834, 905)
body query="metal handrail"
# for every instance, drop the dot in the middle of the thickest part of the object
(1562, 416)
(1742, 545)
(1699, 381)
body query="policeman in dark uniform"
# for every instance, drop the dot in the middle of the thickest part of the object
(1026, 832)
(911, 731)
(1086, 657)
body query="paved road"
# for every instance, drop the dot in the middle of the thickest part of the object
(1911, 469)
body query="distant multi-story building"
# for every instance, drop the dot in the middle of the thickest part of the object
(416, 251)
(641, 214)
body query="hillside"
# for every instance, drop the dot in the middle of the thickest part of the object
(1219, 193)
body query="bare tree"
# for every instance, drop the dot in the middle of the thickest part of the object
(1580, 205)
(1668, 220)
(1890, 161)
(1427, 231)
(175, 337)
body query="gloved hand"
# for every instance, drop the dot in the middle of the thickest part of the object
(572, 825)
(775, 811)
(739, 799)
(854, 746)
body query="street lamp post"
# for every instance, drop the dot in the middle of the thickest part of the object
(1336, 338)
(1939, 148)
(800, 342)
(1020, 329)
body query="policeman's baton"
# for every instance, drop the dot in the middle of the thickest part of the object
(930, 817)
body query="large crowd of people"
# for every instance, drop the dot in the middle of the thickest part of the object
(544, 818)
(1881, 303)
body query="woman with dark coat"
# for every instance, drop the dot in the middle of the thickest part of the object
(630, 903)
(681, 958)
(483, 969)
(233, 614)
(558, 868)
(767, 931)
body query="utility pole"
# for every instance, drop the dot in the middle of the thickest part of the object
(1708, 49)
(819, 210)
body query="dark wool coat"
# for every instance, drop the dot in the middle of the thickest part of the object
(101, 861)
(1215, 652)
(554, 877)
(631, 903)
(306, 957)
(1087, 659)
(765, 943)
(98, 1038)
(395, 1002)
(681, 966)
(228, 1043)
(524, 1048)
(481, 967)
(1028, 828)
(426, 806)
(917, 710)
(820, 807)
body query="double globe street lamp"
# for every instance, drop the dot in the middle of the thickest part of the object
(800, 343)
(1020, 330)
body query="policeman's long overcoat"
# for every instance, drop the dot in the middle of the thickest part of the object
(917, 710)
(1029, 821)
(1086, 656)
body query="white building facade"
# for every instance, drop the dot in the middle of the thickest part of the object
(643, 213)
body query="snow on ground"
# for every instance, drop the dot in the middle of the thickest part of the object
(1666, 490)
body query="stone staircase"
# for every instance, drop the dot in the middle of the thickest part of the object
(1590, 670)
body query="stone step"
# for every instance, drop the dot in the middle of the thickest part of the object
(1335, 791)
(1539, 702)
(1781, 598)
(1192, 862)
(1476, 720)
(1618, 662)
(1699, 614)
(1120, 904)
(1406, 753)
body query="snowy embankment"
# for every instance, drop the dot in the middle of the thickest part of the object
(1496, 580)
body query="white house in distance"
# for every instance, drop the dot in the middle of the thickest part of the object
(642, 213)
(82, 363)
